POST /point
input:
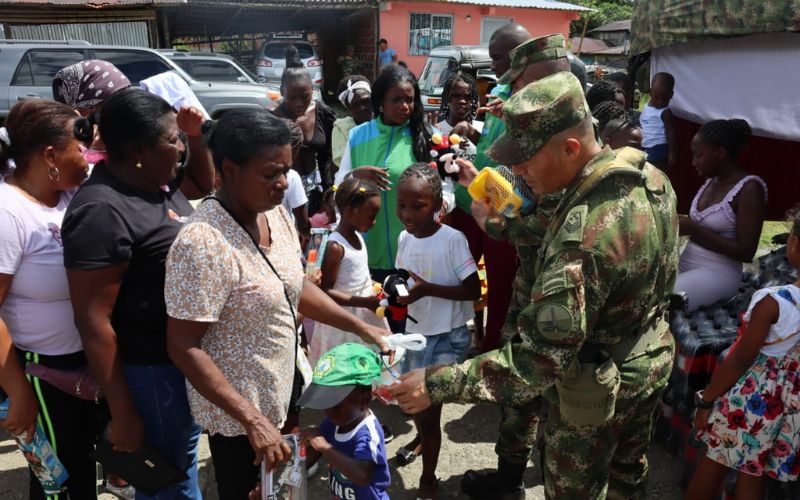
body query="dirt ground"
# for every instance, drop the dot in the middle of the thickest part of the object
(468, 443)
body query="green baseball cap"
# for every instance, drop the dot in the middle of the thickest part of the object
(535, 114)
(337, 373)
(543, 48)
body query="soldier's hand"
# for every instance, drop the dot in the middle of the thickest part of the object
(482, 210)
(410, 392)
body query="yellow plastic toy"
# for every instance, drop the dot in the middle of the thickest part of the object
(493, 185)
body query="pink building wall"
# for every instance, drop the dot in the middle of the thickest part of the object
(394, 24)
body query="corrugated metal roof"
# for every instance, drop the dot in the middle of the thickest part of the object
(589, 45)
(615, 26)
(95, 4)
(528, 4)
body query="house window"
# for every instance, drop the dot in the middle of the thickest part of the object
(428, 31)
(490, 24)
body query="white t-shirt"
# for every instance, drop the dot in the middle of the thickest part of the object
(442, 259)
(785, 333)
(295, 194)
(37, 310)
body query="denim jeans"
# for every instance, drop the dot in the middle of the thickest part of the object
(159, 393)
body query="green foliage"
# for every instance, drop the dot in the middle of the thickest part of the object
(605, 12)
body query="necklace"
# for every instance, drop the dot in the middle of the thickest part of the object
(25, 188)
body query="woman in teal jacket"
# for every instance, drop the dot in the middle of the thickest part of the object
(381, 149)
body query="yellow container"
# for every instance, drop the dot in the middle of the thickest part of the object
(493, 185)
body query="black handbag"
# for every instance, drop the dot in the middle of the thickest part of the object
(146, 469)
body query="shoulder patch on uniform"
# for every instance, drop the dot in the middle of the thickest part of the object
(574, 223)
(554, 321)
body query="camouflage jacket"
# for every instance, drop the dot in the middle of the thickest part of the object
(525, 233)
(594, 280)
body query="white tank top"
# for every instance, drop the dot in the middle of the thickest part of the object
(354, 269)
(653, 132)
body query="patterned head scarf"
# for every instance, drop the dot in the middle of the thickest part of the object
(88, 83)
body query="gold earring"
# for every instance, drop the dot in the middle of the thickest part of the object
(139, 164)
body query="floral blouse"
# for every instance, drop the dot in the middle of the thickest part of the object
(216, 275)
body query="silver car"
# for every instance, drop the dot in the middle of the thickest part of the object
(271, 62)
(27, 68)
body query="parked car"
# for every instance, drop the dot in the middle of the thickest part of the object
(211, 66)
(216, 67)
(27, 68)
(270, 61)
(444, 61)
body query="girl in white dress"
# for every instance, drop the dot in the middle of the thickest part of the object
(345, 268)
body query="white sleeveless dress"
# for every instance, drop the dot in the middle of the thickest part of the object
(353, 279)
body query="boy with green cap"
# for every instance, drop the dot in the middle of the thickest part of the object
(350, 437)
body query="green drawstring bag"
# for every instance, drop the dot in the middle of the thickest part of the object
(587, 393)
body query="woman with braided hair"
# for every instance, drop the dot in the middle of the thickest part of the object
(381, 149)
(726, 216)
(460, 102)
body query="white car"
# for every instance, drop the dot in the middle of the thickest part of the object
(271, 62)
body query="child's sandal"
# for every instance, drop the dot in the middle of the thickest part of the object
(431, 486)
(406, 456)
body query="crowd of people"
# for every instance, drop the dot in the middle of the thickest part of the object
(160, 254)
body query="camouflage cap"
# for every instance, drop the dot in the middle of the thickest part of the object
(535, 114)
(543, 48)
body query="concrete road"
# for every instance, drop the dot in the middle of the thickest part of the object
(469, 434)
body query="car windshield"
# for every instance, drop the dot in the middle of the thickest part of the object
(435, 74)
(275, 50)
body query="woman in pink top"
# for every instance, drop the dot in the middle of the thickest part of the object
(726, 216)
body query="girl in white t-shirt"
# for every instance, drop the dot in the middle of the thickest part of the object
(345, 267)
(750, 411)
(444, 284)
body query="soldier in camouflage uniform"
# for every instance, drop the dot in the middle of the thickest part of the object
(594, 316)
(350, 63)
(534, 59)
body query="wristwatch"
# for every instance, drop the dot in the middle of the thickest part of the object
(701, 403)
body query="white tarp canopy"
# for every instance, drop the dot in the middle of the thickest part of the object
(751, 77)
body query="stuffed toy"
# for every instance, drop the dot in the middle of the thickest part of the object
(444, 152)
(394, 286)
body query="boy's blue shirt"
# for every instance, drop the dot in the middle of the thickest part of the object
(364, 442)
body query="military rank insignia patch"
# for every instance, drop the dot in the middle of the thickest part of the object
(572, 229)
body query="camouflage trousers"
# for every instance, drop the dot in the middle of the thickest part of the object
(517, 431)
(608, 461)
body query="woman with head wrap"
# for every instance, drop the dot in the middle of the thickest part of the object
(355, 94)
(86, 85)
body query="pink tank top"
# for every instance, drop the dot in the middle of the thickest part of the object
(721, 219)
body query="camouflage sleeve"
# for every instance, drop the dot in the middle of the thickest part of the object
(497, 228)
(552, 328)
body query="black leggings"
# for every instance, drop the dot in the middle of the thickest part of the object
(71, 426)
(233, 466)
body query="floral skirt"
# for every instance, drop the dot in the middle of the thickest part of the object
(755, 427)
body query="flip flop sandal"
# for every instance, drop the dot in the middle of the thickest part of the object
(405, 456)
